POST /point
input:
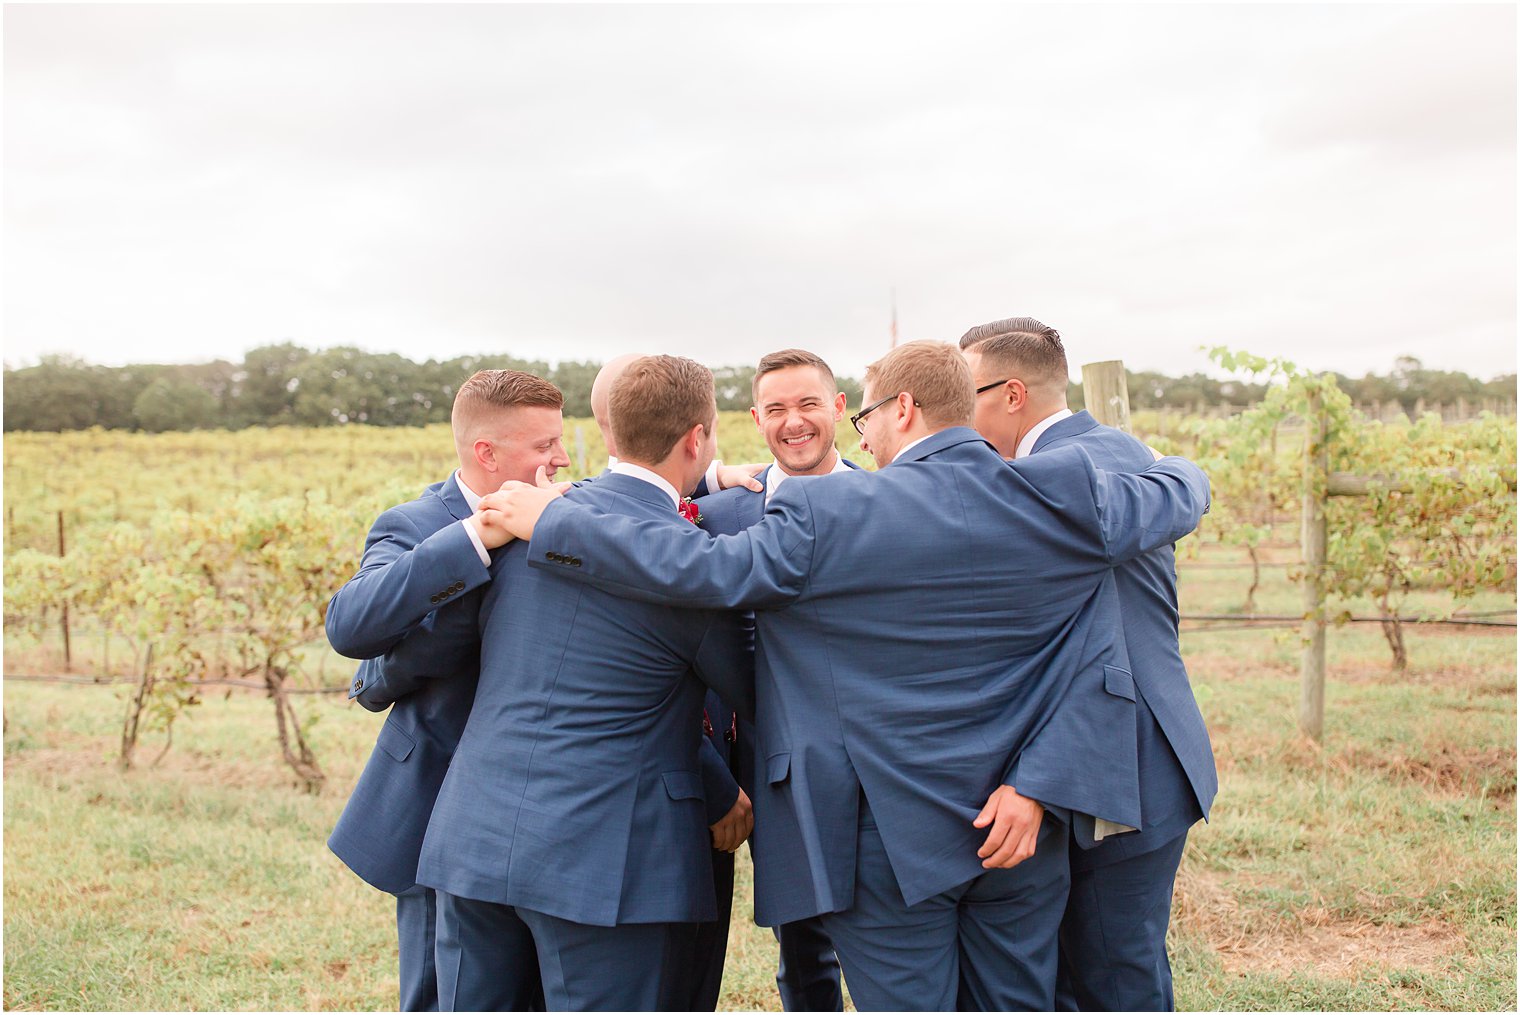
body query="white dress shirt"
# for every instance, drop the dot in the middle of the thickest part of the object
(775, 477)
(472, 499)
(1026, 446)
(653, 478)
(711, 476)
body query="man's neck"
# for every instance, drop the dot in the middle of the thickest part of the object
(829, 464)
(479, 485)
(670, 472)
(1036, 416)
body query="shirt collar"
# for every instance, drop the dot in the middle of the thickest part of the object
(471, 498)
(1026, 446)
(654, 478)
(775, 477)
(911, 445)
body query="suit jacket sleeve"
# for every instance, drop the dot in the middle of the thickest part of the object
(680, 565)
(402, 578)
(445, 642)
(718, 784)
(1144, 511)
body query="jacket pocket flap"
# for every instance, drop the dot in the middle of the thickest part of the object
(395, 741)
(1120, 683)
(778, 767)
(684, 786)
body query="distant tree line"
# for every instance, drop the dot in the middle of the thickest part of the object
(288, 385)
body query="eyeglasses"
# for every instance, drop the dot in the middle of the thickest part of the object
(857, 420)
(994, 384)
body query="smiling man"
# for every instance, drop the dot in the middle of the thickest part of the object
(907, 675)
(797, 406)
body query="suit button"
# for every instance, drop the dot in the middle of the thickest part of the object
(575, 562)
(459, 586)
(433, 599)
(551, 555)
(358, 685)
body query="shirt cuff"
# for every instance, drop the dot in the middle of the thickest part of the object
(712, 477)
(480, 547)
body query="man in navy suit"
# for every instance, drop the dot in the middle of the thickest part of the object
(729, 814)
(797, 407)
(1113, 937)
(909, 675)
(423, 558)
(574, 815)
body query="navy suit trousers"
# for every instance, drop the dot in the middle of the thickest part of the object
(808, 973)
(486, 959)
(629, 967)
(1114, 934)
(416, 919)
(988, 944)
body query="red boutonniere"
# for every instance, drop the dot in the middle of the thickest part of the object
(690, 511)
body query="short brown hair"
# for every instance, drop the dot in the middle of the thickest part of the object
(654, 403)
(488, 392)
(934, 373)
(1023, 348)
(784, 358)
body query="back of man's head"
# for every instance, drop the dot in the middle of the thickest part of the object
(481, 401)
(655, 402)
(601, 391)
(934, 373)
(1021, 347)
(784, 358)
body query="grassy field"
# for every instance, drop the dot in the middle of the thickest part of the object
(1374, 873)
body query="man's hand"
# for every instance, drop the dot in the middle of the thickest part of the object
(740, 475)
(734, 827)
(516, 506)
(1015, 822)
(489, 528)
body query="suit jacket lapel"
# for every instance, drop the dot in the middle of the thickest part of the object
(1071, 426)
(453, 498)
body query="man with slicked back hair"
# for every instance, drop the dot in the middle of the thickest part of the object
(1113, 935)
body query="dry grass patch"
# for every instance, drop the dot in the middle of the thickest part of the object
(1342, 948)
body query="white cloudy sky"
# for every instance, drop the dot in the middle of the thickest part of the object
(1336, 184)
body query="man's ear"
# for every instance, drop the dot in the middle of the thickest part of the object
(1016, 394)
(840, 402)
(485, 454)
(905, 410)
(754, 414)
(693, 441)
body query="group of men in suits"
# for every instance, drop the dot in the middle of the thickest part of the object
(951, 689)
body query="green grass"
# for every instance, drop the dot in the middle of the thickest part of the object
(1373, 872)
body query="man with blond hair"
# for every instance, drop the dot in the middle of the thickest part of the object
(573, 820)
(1113, 936)
(909, 671)
(422, 559)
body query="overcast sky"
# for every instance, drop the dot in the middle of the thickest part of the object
(1333, 184)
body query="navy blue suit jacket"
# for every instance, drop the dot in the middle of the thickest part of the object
(1177, 775)
(576, 788)
(723, 514)
(416, 561)
(901, 651)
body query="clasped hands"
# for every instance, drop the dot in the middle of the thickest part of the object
(512, 511)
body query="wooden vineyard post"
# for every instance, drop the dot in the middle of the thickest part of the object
(1106, 392)
(68, 655)
(1311, 704)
